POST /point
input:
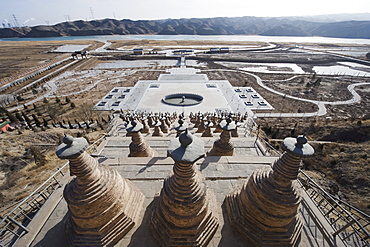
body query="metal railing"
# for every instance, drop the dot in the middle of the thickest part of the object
(350, 224)
(13, 225)
(264, 148)
(319, 236)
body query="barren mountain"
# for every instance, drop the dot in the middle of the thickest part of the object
(247, 25)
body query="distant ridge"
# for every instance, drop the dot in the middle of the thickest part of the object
(248, 25)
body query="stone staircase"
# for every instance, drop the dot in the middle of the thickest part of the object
(114, 151)
(116, 145)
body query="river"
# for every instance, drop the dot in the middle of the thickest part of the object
(205, 37)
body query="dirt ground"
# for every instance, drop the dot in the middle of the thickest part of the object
(28, 158)
(330, 88)
(280, 103)
(18, 57)
(342, 163)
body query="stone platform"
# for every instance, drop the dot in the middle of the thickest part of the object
(222, 175)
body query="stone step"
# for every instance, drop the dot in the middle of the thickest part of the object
(215, 167)
(113, 142)
(89, 239)
(149, 161)
(119, 146)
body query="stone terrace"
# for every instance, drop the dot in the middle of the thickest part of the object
(222, 175)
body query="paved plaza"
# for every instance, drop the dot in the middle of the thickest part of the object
(218, 95)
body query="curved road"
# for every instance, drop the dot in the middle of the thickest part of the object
(321, 104)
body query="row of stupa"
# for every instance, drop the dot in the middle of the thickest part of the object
(103, 206)
(221, 147)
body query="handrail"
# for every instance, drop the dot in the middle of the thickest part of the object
(32, 202)
(338, 208)
(14, 223)
(269, 149)
(97, 141)
(350, 219)
(4, 85)
(38, 188)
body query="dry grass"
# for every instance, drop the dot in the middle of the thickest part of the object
(329, 89)
(342, 164)
(18, 57)
(280, 103)
(21, 170)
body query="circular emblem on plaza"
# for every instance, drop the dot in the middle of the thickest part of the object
(182, 99)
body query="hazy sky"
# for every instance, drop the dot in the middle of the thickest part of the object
(36, 12)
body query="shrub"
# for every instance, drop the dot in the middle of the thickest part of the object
(2, 198)
(11, 117)
(36, 120)
(40, 158)
(368, 55)
(19, 116)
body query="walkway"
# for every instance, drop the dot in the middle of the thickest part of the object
(321, 104)
(221, 174)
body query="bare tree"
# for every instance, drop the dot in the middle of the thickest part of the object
(86, 110)
(54, 111)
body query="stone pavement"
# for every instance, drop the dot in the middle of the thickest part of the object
(220, 178)
(222, 175)
(147, 95)
(140, 235)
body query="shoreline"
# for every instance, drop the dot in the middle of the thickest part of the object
(252, 38)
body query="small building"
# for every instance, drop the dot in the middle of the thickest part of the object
(219, 50)
(138, 51)
(214, 50)
(224, 50)
(4, 126)
(183, 52)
